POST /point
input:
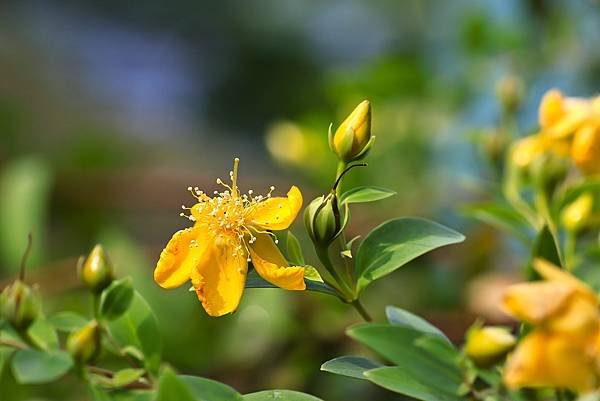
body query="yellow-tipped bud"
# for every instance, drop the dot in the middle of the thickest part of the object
(84, 344)
(19, 305)
(488, 345)
(574, 217)
(585, 150)
(97, 271)
(353, 138)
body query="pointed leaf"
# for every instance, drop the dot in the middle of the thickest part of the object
(280, 395)
(294, 250)
(397, 242)
(365, 194)
(403, 317)
(351, 366)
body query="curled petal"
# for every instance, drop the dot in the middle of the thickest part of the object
(220, 275)
(272, 266)
(276, 213)
(175, 263)
(538, 301)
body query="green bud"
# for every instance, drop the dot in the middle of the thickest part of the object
(487, 346)
(510, 93)
(97, 272)
(322, 219)
(84, 344)
(20, 305)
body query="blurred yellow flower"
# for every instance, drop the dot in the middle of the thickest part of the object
(561, 350)
(575, 121)
(230, 230)
(575, 215)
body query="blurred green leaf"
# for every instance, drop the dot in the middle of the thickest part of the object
(210, 390)
(67, 321)
(401, 345)
(280, 395)
(126, 376)
(544, 247)
(171, 388)
(401, 317)
(253, 280)
(31, 366)
(97, 393)
(294, 250)
(5, 354)
(116, 298)
(138, 327)
(351, 366)
(43, 334)
(365, 194)
(591, 185)
(397, 242)
(421, 386)
(502, 217)
(24, 191)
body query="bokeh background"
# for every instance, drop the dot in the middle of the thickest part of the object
(110, 109)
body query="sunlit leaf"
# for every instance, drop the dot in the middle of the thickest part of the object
(351, 366)
(403, 317)
(365, 194)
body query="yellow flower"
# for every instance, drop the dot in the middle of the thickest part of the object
(230, 230)
(560, 116)
(561, 350)
(351, 139)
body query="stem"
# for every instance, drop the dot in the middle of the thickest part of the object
(25, 256)
(361, 310)
(12, 343)
(344, 289)
(570, 244)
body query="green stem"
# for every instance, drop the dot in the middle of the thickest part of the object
(361, 310)
(343, 288)
(570, 245)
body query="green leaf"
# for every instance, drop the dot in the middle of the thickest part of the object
(253, 280)
(138, 328)
(397, 242)
(43, 334)
(423, 387)
(5, 354)
(404, 347)
(503, 217)
(351, 366)
(116, 298)
(403, 317)
(31, 366)
(127, 376)
(210, 390)
(544, 248)
(365, 194)
(280, 395)
(171, 388)
(294, 250)
(97, 393)
(67, 321)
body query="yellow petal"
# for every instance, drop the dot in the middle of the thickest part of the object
(551, 108)
(272, 266)
(220, 275)
(551, 360)
(276, 213)
(176, 260)
(551, 272)
(585, 150)
(538, 301)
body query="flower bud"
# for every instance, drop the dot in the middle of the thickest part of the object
(585, 150)
(574, 216)
(322, 219)
(97, 271)
(20, 305)
(84, 344)
(510, 93)
(488, 345)
(353, 138)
